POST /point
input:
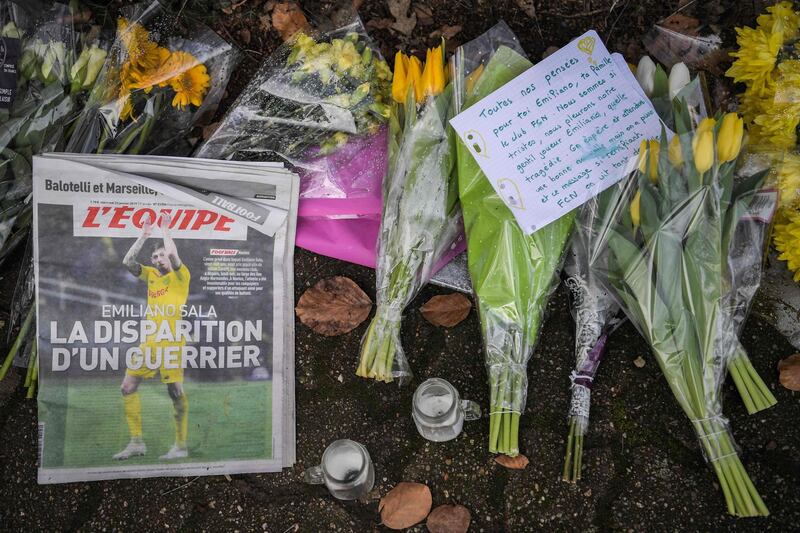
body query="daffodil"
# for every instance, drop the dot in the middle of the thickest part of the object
(729, 138)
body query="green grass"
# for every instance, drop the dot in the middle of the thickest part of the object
(228, 420)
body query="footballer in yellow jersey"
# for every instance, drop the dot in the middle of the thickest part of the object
(167, 290)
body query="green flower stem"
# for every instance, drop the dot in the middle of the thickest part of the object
(23, 332)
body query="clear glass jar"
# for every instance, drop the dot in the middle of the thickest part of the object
(438, 411)
(346, 470)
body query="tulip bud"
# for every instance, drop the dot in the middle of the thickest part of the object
(635, 209)
(729, 139)
(674, 153)
(707, 124)
(414, 77)
(645, 74)
(648, 159)
(703, 147)
(400, 80)
(679, 78)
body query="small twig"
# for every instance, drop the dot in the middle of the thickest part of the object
(181, 486)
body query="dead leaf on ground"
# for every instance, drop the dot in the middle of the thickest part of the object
(449, 519)
(639, 362)
(790, 372)
(404, 22)
(264, 22)
(682, 24)
(357, 4)
(448, 32)
(424, 14)
(405, 505)
(334, 306)
(716, 61)
(379, 24)
(515, 463)
(244, 35)
(446, 310)
(288, 19)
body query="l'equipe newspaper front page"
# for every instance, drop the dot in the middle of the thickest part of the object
(164, 316)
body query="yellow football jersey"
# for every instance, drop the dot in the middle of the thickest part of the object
(167, 292)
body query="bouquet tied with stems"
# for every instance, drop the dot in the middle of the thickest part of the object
(421, 217)
(57, 62)
(318, 102)
(513, 274)
(160, 80)
(669, 237)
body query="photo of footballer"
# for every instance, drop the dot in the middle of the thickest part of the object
(167, 282)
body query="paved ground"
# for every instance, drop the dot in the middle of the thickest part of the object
(643, 467)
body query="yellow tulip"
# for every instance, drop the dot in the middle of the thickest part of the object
(729, 139)
(707, 124)
(635, 209)
(414, 75)
(433, 74)
(703, 147)
(648, 158)
(400, 79)
(674, 152)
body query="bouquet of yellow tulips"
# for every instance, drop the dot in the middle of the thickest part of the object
(683, 243)
(155, 86)
(767, 63)
(421, 216)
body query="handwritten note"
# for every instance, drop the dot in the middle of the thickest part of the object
(561, 132)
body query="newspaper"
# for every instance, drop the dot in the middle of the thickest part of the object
(165, 331)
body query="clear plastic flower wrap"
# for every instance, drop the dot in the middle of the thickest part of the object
(321, 103)
(421, 218)
(50, 63)
(512, 274)
(595, 312)
(682, 233)
(164, 76)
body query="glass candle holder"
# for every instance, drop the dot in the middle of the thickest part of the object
(346, 470)
(438, 411)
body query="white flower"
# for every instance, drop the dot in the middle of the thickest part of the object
(645, 74)
(679, 78)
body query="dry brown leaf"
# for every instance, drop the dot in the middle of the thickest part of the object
(790, 372)
(379, 24)
(448, 32)
(405, 505)
(682, 24)
(515, 463)
(404, 22)
(244, 35)
(446, 310)
(424, 14)
(449, 519)
(288, 19)
(639, 362)
(333, 306)
(264, 22)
